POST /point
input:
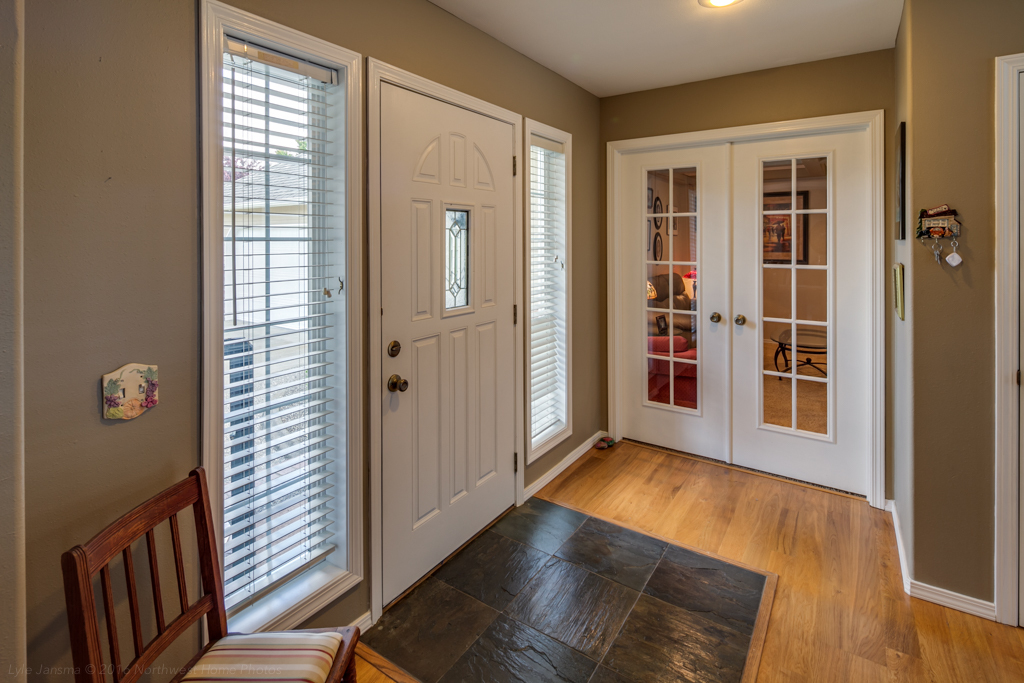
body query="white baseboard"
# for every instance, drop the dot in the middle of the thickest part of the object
(568, 460)
(940, 596)
(364, 622)
(961, 603)
(890, 505)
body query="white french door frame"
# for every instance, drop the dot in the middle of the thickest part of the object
(379, 73)
(618, 227)
(1008, 482)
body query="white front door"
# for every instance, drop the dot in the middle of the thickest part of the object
(746, 306)
(447, 296)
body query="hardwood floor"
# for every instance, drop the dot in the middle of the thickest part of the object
(372, 668)
(840, 613)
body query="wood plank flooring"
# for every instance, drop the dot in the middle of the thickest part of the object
(840, 613)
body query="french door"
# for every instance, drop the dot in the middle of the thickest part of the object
(746, 307)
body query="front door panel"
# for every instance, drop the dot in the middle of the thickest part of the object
(447, 294)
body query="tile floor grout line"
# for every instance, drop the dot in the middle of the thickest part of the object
(664, 551)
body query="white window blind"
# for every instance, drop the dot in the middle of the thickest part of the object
(548, 291)
(282, 298)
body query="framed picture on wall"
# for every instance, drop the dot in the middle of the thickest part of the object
(899, 197)
(779, 235)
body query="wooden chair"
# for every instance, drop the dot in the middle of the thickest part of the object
(83, 562)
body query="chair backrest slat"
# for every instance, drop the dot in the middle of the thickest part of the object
(179, 568)
(83, 562)
(154, 576)
(108, 610)
(133, 601)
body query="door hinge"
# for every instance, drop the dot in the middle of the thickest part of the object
(515, 316)
(1018, 378)
(514, 166)
(515, 463)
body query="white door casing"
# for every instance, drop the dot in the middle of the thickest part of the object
(625, 179)
(462, 487)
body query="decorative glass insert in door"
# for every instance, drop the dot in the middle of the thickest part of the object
(456, 259)
(671, 237)
(796, 283)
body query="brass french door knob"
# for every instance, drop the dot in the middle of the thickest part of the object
(716, 317)
(740, 319)
(396, 383)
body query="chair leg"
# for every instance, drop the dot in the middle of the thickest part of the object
(350, 673)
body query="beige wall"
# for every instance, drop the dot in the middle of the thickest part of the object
(12, 348)
(111, 125)
(951, 119)
(860, 82)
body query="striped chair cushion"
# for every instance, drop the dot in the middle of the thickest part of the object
(284, 657)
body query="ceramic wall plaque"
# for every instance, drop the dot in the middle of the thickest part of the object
(130, 391)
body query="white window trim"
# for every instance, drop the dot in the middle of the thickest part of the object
(302, 597)
(542, 130)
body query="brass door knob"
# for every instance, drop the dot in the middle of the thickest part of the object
(396, 383)
(716, 317)
(740, 319)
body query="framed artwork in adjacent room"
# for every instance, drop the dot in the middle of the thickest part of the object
(779, 234)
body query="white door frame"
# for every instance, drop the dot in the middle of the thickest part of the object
(871, 121)
(1007, 322)
(380, 72)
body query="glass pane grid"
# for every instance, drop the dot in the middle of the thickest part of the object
(671, 232)
(795, 286)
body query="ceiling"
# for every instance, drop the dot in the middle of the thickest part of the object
(610, 47)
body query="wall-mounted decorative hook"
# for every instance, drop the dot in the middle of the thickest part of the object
(940, 223)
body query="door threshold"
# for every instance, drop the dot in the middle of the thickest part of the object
(748, 470)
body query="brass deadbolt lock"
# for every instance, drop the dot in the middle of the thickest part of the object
(396, 383)
(394, 348)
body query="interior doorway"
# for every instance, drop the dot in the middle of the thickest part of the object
(746, 298)
(446, 357)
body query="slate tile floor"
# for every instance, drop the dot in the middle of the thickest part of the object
(550, 594)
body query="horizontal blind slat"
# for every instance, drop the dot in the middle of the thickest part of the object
(280, 211)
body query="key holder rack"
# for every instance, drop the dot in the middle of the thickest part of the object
(940, 223)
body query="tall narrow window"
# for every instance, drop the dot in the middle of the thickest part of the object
(284, 378)
(549, 294)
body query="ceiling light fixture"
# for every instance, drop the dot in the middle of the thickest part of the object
(718, 3)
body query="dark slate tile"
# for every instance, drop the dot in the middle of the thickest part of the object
(540, 524)
(512, 652)
(573, 606)
(615, 553)
(428, 630)
(661, 643)
(493, 569)
(718, 590)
